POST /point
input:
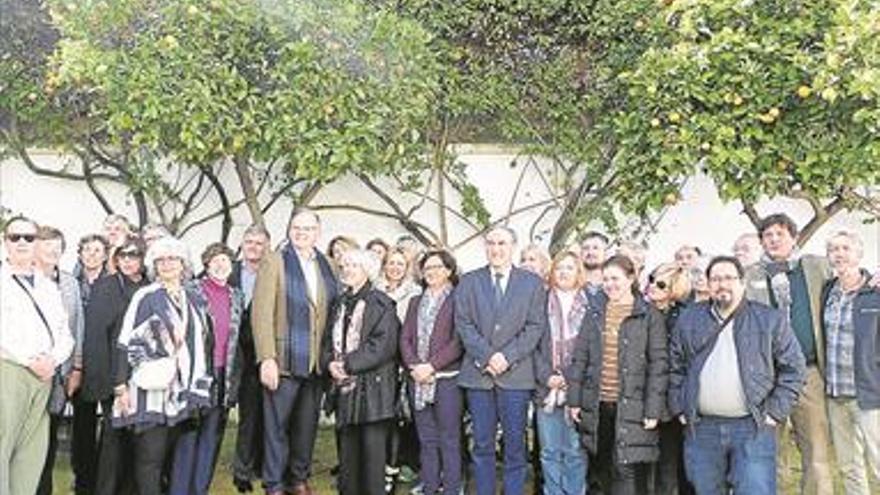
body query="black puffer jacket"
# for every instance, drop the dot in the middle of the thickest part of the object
(642, 369)
(373, 364)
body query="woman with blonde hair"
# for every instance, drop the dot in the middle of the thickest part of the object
(563, 460)
(669, 289)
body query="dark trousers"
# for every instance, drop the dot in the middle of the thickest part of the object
(439, 429)
(667, 476)
(84, 448)
(290, 420)
(608, 475)
(487, 408)
(45, 486)
(195, 453)
(115, 471)
(362, 456)
(248, 462)
(151, 448)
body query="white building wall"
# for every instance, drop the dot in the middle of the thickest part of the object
(700, 218)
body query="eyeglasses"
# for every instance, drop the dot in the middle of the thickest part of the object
(660, 284)
(28, 238)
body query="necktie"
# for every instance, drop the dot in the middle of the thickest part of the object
(499, 293)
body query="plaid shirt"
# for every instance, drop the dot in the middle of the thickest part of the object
(839, 343)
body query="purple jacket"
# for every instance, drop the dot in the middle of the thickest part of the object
(445, 351)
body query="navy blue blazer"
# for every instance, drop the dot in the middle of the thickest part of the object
(513, 328)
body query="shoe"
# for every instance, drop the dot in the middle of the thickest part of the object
(242, 485)
(302, 488)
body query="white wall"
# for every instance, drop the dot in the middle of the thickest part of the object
(700, 218)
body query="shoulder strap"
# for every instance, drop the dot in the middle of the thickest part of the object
(37, 307)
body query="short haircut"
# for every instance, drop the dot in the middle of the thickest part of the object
(581, 275)
(90, 238)
(689, 247)
(216, 249)
(341, 239)
(503, 228)
(780, 219)
(725, 259)
(302, 210)
(595, 234)
(162, 229)
(19, 218)
(49, 233)
(448, 261)
(366, 260)
(257, 229)
(116, 218)
(168, 246)
(851, 235)
(131, 244)
(377, 242)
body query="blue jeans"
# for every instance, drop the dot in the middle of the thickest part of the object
(487, 408)
(563, 459)
(725, 453)
(195, 453)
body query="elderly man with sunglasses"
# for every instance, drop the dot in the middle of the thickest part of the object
(34, 341)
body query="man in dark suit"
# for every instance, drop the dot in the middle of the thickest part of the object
(500, 314)
(248, 461)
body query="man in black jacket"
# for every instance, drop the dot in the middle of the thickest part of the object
(248, 462)
(735, 374)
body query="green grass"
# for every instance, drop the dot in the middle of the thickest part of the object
(325, 459)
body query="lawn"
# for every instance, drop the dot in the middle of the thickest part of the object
(325, 459)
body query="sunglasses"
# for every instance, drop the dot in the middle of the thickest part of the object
(660, 284)
(28, 238)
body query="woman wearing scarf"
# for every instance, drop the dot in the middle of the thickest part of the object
(399, 284)
(563, 460)
(431, 352)
(358, 353)
(669, 289)
(196, 448)
(165, 371)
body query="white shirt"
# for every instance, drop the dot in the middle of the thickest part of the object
(505, 277)
(23, 335)
(721, 390)
(309, 265)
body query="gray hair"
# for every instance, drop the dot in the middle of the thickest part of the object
(168, 246)
(502, 228)
(851, 235)
(367, 260)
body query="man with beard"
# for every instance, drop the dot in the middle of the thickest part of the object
(735, 374)
(594, 247)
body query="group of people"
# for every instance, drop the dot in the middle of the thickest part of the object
(677, 380)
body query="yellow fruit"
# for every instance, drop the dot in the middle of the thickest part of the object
(774, 112)
(766, 118)
(655, 122)
(804, 92)
(674, 117)
(32, 96)
(737, 100)
(192, 10)
(829, 94)
(639, 24)
(170, 42)
(705, 146)
(671, 199)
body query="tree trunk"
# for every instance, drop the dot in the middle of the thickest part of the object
(242, 169)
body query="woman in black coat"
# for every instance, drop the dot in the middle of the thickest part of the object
(109, 299)
(358, 351)
(617, 383)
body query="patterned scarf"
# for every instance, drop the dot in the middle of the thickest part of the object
(563, 335)
(777, 272)
(345, 342)
(429, 306)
